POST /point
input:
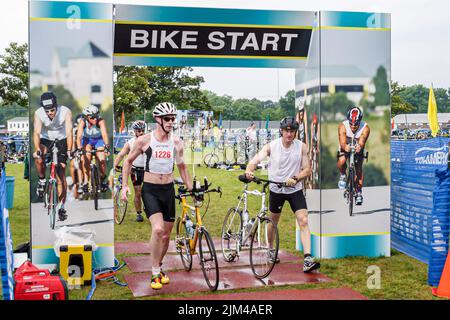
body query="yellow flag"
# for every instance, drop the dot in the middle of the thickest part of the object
(432, 113)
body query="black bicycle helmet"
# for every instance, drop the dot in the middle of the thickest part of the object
(48, 100)
(289, 123)
(354, 116)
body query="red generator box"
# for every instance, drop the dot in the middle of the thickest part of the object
(32, 283)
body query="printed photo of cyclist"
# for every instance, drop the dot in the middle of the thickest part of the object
(71, 125)
(353, 135)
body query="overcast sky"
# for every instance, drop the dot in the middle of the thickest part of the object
(420, 37)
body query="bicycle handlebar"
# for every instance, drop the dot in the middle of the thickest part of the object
(257, 180)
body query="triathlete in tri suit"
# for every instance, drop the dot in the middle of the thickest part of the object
(76, 171)
(137, 168)
(92, 134)
(359, 130)
(289, 163)
(52, 122)
(161, 149)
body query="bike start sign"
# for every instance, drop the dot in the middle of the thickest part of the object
(171, 36)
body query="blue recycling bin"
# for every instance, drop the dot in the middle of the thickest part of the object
(9, 192)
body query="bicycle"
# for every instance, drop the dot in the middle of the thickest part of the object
(120, 206)
(51, 196)
(238, 231)
(211, 160)
(350, 186)
(189, 232)
(95, 179)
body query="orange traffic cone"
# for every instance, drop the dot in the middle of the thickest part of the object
(443, 290)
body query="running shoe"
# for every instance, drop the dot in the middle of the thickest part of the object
(309, 264)
(272, 256)
(139, 217)
(359, 198)
(342, 183)
(40, 188)
(164, 278)
(62, 214)
(156, 282)
(104, 187)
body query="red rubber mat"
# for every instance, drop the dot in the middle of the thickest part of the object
(291, 294)
(230, 278)
(144, 247)
(173, 262)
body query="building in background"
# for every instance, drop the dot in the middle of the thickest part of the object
(18, 125)
(86, 74)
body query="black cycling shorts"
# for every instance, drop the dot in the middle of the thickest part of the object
(296, 200)
(62, 148)
(159, 198)
(137, 175)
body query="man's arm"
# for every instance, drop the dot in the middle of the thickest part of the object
(305, 168)
(125, 150)
(343, 138)
(37, 132)
(69, 132)
(80, 131)
(104, 132)
(260, 156)
(127, 163)
(182, 168)
(363, 139)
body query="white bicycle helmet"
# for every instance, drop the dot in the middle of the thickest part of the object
(138, 125)
(90, 110)
(164, 109)
(300, 104)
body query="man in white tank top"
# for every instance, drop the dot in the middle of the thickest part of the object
(52, 123)
(161, 149)
(352, 129)
(289, 163)
(137, 169)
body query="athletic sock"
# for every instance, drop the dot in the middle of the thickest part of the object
(156, 271)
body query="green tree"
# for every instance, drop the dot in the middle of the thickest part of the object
(131, 90)
(381, 83)
(398, 105)
(175, 85)
(287, 103)
(14, 75)
(334, 104)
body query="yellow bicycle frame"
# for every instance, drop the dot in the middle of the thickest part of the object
(198, 221)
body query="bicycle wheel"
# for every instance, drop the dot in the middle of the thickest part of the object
(52, 203)
(95, 185)
(182, 245)
(263, 255)
(120, 206)
(231, 235)
(350, 193)
(211, 160)
(208, 259)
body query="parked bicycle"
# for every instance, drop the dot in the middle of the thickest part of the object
(120, 206)
(351, 180)
(190, 229)
(259, 233)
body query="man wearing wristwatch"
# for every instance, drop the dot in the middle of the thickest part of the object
(289, 163)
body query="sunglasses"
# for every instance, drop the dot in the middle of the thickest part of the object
(167, 119)
(50, 110)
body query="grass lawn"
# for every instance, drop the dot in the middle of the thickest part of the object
(402, 277)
